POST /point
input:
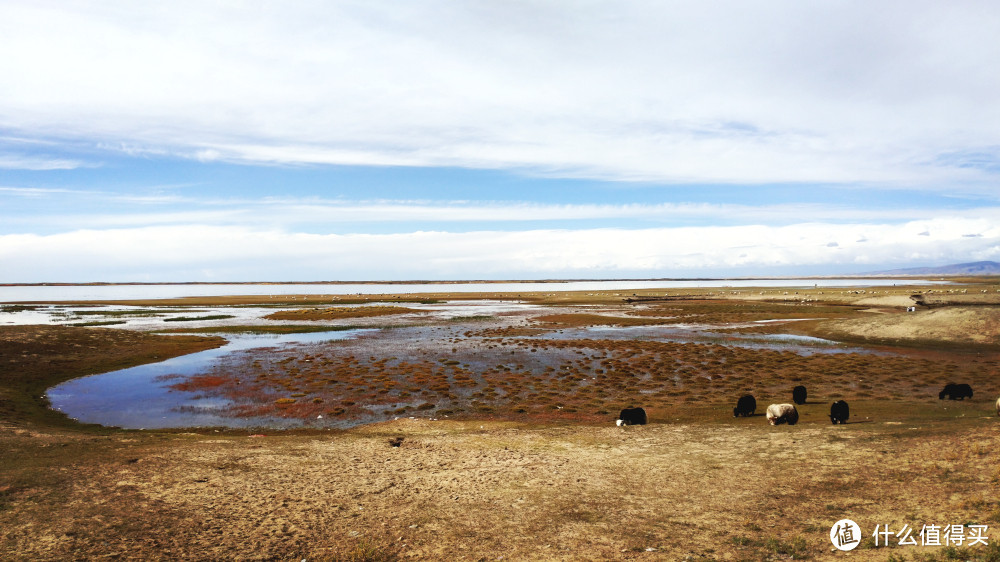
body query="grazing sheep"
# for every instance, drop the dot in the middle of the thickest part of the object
(956, 391)
(799, 394)
(632, 416)
(745, 406)
(839, 412)
(778, 414)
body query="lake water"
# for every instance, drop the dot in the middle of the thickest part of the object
(141, 398)
(164, 317)
(55, 293)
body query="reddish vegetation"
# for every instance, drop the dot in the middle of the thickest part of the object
(540, 365)
(580, 380)
(336, 312)
(200, 382)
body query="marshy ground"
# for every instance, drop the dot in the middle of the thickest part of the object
(491, 435)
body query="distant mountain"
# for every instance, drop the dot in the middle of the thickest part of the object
(974, 268)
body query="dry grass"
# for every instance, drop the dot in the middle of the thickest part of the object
(474, 490)
(960, 325)
(555, 481)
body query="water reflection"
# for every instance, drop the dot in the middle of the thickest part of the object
(141, 398)
(707, 334)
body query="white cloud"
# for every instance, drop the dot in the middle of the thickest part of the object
(683, 92)
(327, 215)
(237, 253)
(34, 192)
(23, 162)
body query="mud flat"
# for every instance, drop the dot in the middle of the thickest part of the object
(527, 465)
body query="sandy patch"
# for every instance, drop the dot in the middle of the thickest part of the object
(962, 325)
(896, 301)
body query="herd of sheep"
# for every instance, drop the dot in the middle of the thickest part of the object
(786, 413)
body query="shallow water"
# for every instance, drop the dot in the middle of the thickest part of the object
(168, 317)
(707, 334)
(141, 398)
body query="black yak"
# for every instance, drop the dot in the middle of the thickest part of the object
(632, 416)
(839, 412)
(956, 391)
(745, 406)
(799, 394)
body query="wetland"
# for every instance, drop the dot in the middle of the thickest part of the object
(473, 425)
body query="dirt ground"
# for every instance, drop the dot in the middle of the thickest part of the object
(694, 484)
(958, 324)
(466, 491)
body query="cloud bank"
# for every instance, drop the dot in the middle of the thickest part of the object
(198, 141)
(245, 254)
(894, 93)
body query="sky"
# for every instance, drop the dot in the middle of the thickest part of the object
(342, 140)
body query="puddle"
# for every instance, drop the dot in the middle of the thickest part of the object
(141, 398)
(703, 333)
(131, 317)
(463, 309)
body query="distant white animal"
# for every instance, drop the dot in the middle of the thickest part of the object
(778, 414)
(998, 406)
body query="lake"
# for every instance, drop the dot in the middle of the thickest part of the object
(57, 293)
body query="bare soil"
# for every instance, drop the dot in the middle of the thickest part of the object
(954, 324)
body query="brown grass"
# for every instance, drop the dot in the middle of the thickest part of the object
(956, 325)
(532, 468)
(453, 490)
(340, 312)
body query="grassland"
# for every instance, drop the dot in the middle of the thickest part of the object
(528, 465)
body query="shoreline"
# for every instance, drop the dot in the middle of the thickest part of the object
(498, 281)
(418, 293)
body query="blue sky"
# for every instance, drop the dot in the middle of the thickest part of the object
(307, 141)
